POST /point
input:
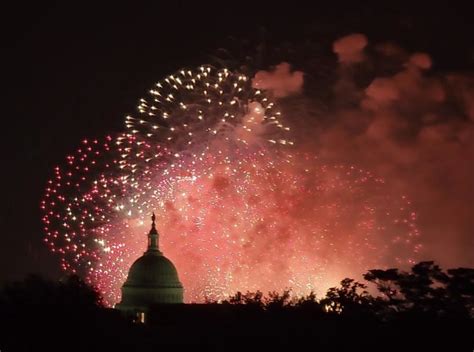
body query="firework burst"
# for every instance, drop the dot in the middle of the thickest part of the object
(237, 209)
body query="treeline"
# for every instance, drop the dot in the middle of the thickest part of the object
(424, 308)
(424, 290)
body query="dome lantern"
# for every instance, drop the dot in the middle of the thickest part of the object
(153, 237)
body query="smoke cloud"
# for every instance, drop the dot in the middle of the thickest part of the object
(280, 81)
(394, 115)
(349, 49)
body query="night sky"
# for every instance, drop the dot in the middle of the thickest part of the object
(73, 72)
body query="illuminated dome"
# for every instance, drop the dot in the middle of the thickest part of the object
(152, 279)
(153, 270)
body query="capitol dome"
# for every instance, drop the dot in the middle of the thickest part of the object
(152, 279)
(153, 270)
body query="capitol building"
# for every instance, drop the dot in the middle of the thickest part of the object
(152, 280)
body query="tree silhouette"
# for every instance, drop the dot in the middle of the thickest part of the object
(351, 298)
(48, 312)
(426, 289)
(277, 302)
(250, 299)
(424, 308)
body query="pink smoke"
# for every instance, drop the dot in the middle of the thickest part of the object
(280, 81)
(413, 127)
(349, 49)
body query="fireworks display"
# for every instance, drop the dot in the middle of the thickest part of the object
(237, 207)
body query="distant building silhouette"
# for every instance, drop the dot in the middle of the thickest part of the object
(152, 280)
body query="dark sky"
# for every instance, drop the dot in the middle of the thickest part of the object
(74, 71)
